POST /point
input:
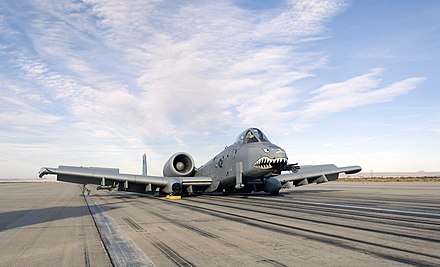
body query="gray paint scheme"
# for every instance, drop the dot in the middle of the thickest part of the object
(251, 164)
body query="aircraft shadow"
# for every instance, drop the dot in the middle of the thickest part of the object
(129, 195)
(308, 191)
(25, 218)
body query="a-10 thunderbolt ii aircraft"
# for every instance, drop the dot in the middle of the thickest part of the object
(251, 164)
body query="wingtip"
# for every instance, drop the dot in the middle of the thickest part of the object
(43, 171)
(353, 169)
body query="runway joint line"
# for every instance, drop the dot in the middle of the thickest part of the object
(121, 249)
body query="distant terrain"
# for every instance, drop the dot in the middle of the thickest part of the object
(27, 180)
(391, 177)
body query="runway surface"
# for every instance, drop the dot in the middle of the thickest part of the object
(342, 224)
(47, 224)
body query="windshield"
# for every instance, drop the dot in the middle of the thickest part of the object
(252, 135)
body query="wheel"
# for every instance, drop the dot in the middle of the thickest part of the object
(275, 193)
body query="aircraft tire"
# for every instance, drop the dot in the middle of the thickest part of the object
(275, 193)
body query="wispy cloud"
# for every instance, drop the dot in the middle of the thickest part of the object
(14, 112)
(130, 72)
(192, 65)
(302, 20)
(358, 91)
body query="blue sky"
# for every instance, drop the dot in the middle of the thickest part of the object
(99, 82)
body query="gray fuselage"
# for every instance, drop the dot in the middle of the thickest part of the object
(260, 158)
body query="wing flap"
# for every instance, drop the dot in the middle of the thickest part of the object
(196, 181)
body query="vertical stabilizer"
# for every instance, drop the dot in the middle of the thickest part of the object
(144, 165)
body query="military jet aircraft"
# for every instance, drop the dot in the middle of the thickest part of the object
(251, 164)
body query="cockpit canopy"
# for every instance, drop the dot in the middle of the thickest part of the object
(251, 135)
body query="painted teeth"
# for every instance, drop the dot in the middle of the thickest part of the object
(268, 163)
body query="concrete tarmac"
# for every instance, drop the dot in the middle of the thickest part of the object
(342, 224)
(47, 224)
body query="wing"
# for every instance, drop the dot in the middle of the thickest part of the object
(316, 174)
(111, 178)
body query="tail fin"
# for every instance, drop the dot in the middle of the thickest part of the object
(144, 165)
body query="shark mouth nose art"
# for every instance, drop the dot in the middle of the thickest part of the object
(268, 163)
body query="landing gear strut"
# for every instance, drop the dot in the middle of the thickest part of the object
(84, 189)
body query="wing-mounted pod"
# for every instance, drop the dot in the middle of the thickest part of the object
(179, 165)
(173, 188)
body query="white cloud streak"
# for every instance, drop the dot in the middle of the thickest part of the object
(358, 91)
(302, 21)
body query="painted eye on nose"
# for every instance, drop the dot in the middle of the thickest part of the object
(266, 150)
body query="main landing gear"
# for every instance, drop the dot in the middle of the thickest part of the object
(85, 189)
(274, 193)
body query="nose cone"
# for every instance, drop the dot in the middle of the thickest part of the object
(271, 157)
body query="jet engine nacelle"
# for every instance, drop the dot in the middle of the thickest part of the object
(179, 165)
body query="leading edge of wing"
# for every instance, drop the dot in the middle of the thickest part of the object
(317, 171)
(113, 174)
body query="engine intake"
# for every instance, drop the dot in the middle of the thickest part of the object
(179, 165)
